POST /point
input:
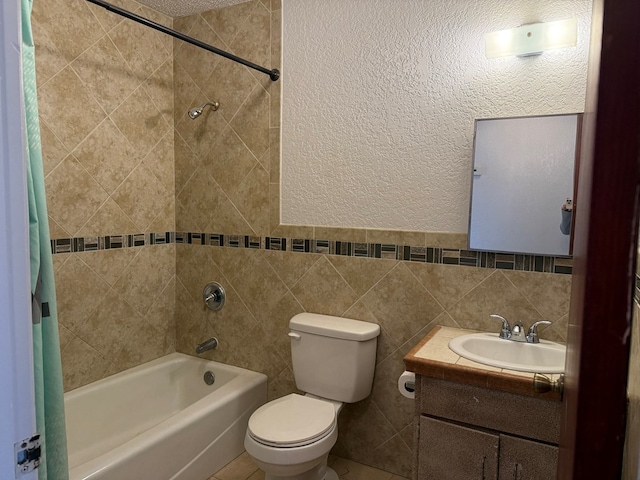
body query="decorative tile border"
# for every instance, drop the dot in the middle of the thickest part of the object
(446, 256)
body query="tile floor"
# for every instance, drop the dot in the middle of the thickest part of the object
(243, 468)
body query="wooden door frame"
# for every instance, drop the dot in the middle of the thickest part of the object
(594, 420)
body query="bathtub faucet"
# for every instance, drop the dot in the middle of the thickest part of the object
(207, 345)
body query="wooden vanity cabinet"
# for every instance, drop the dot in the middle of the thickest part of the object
(467, 432)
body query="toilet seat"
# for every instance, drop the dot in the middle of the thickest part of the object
(292, 421)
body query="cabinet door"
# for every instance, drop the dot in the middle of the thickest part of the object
(453, 452)
(526, 460)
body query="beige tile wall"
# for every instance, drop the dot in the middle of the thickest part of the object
(266, 288)
(223, 159)
(227, 174)
(115, 310)
(105, 88)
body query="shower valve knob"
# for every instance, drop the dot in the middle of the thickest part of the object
(214, 296)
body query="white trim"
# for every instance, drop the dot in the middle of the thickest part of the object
(17, 416)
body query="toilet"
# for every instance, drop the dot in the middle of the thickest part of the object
(333, 362)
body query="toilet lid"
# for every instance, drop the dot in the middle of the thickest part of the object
(293, 420)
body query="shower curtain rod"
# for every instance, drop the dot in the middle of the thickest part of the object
(273, 74)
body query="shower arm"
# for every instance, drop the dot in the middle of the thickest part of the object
(273, 74)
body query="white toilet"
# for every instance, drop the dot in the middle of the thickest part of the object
(333, 361)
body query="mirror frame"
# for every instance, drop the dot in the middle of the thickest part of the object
(576, 171)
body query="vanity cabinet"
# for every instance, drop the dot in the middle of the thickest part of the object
(467, 432)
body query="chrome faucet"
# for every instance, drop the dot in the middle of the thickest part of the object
(505, 332)
(532, 334)
(517, 332)
(207, 345)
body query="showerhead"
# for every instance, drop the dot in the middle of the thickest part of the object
(196, 112)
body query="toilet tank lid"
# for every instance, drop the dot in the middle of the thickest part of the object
(336, 327)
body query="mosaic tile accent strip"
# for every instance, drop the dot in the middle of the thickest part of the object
(301, 245)
(407, 253)
(276, 244)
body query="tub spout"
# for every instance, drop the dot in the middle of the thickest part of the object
(207, 345)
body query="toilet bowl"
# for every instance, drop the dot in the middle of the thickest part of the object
(291, 437)
(333, 361)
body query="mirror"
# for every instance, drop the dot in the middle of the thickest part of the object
(523, 184)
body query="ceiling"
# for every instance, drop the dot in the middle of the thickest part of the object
(181, 8)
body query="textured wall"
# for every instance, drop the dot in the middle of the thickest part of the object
(105, 92)
(380, 100)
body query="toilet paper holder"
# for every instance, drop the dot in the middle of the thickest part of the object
(407, 384)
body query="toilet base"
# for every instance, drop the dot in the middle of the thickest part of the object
(331, 474)
(322, 472)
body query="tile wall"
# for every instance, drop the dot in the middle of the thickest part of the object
(266, 288)
(225, 159)
(105, 88)
(116, 166)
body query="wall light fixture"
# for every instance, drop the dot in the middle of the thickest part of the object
(532, 39)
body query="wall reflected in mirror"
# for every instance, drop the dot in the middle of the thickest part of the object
(523, 184)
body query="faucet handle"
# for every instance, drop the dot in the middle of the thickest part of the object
(505, 331)
(532, 334)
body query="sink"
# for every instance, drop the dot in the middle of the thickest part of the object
(490, 349)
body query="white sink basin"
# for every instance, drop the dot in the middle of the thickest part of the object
(490, 349)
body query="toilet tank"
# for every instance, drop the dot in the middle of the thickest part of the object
(333, 357)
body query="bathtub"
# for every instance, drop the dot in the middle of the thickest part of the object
(161, 421)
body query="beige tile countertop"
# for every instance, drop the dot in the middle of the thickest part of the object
(433, 358)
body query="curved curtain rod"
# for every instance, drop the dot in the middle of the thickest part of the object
(273, 74)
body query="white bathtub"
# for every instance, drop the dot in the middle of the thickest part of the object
(161, 420)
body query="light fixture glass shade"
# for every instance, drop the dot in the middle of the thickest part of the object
(532, 39)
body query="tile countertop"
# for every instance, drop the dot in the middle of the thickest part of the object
(433, 358)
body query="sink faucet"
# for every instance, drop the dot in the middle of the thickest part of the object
(207, 345)
(517, 332)
(505, 332)
(532, 334)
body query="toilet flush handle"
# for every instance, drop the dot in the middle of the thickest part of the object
(294, 335)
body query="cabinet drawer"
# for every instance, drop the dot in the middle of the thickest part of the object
(505, 412)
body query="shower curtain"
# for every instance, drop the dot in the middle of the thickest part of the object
(46, 346)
